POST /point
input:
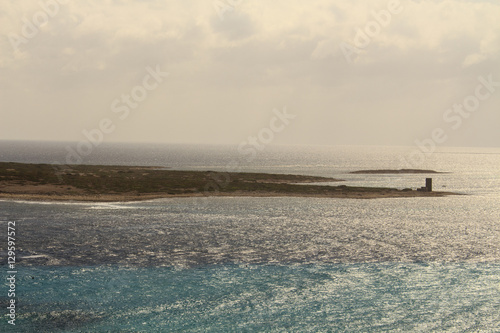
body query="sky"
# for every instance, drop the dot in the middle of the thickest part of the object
(316, 72)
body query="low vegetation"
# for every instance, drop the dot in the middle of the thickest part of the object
(114, 183)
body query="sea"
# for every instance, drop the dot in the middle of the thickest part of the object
(256, 264)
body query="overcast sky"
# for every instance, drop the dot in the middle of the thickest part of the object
(348, 75)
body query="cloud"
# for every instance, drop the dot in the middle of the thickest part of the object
(234, 27)
(262, 54)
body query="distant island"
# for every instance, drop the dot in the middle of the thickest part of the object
(102, 183)
(394, 171)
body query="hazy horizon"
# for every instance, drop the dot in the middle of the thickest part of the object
(235, 144)
(220, 72)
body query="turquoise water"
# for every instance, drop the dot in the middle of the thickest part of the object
(263, 264)
(388, 297)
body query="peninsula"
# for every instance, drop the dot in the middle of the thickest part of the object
(102, 183)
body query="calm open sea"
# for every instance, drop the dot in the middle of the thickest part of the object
(262, 264)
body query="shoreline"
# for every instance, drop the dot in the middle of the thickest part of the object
(111, 198)
(98, 183)
(388, 193)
